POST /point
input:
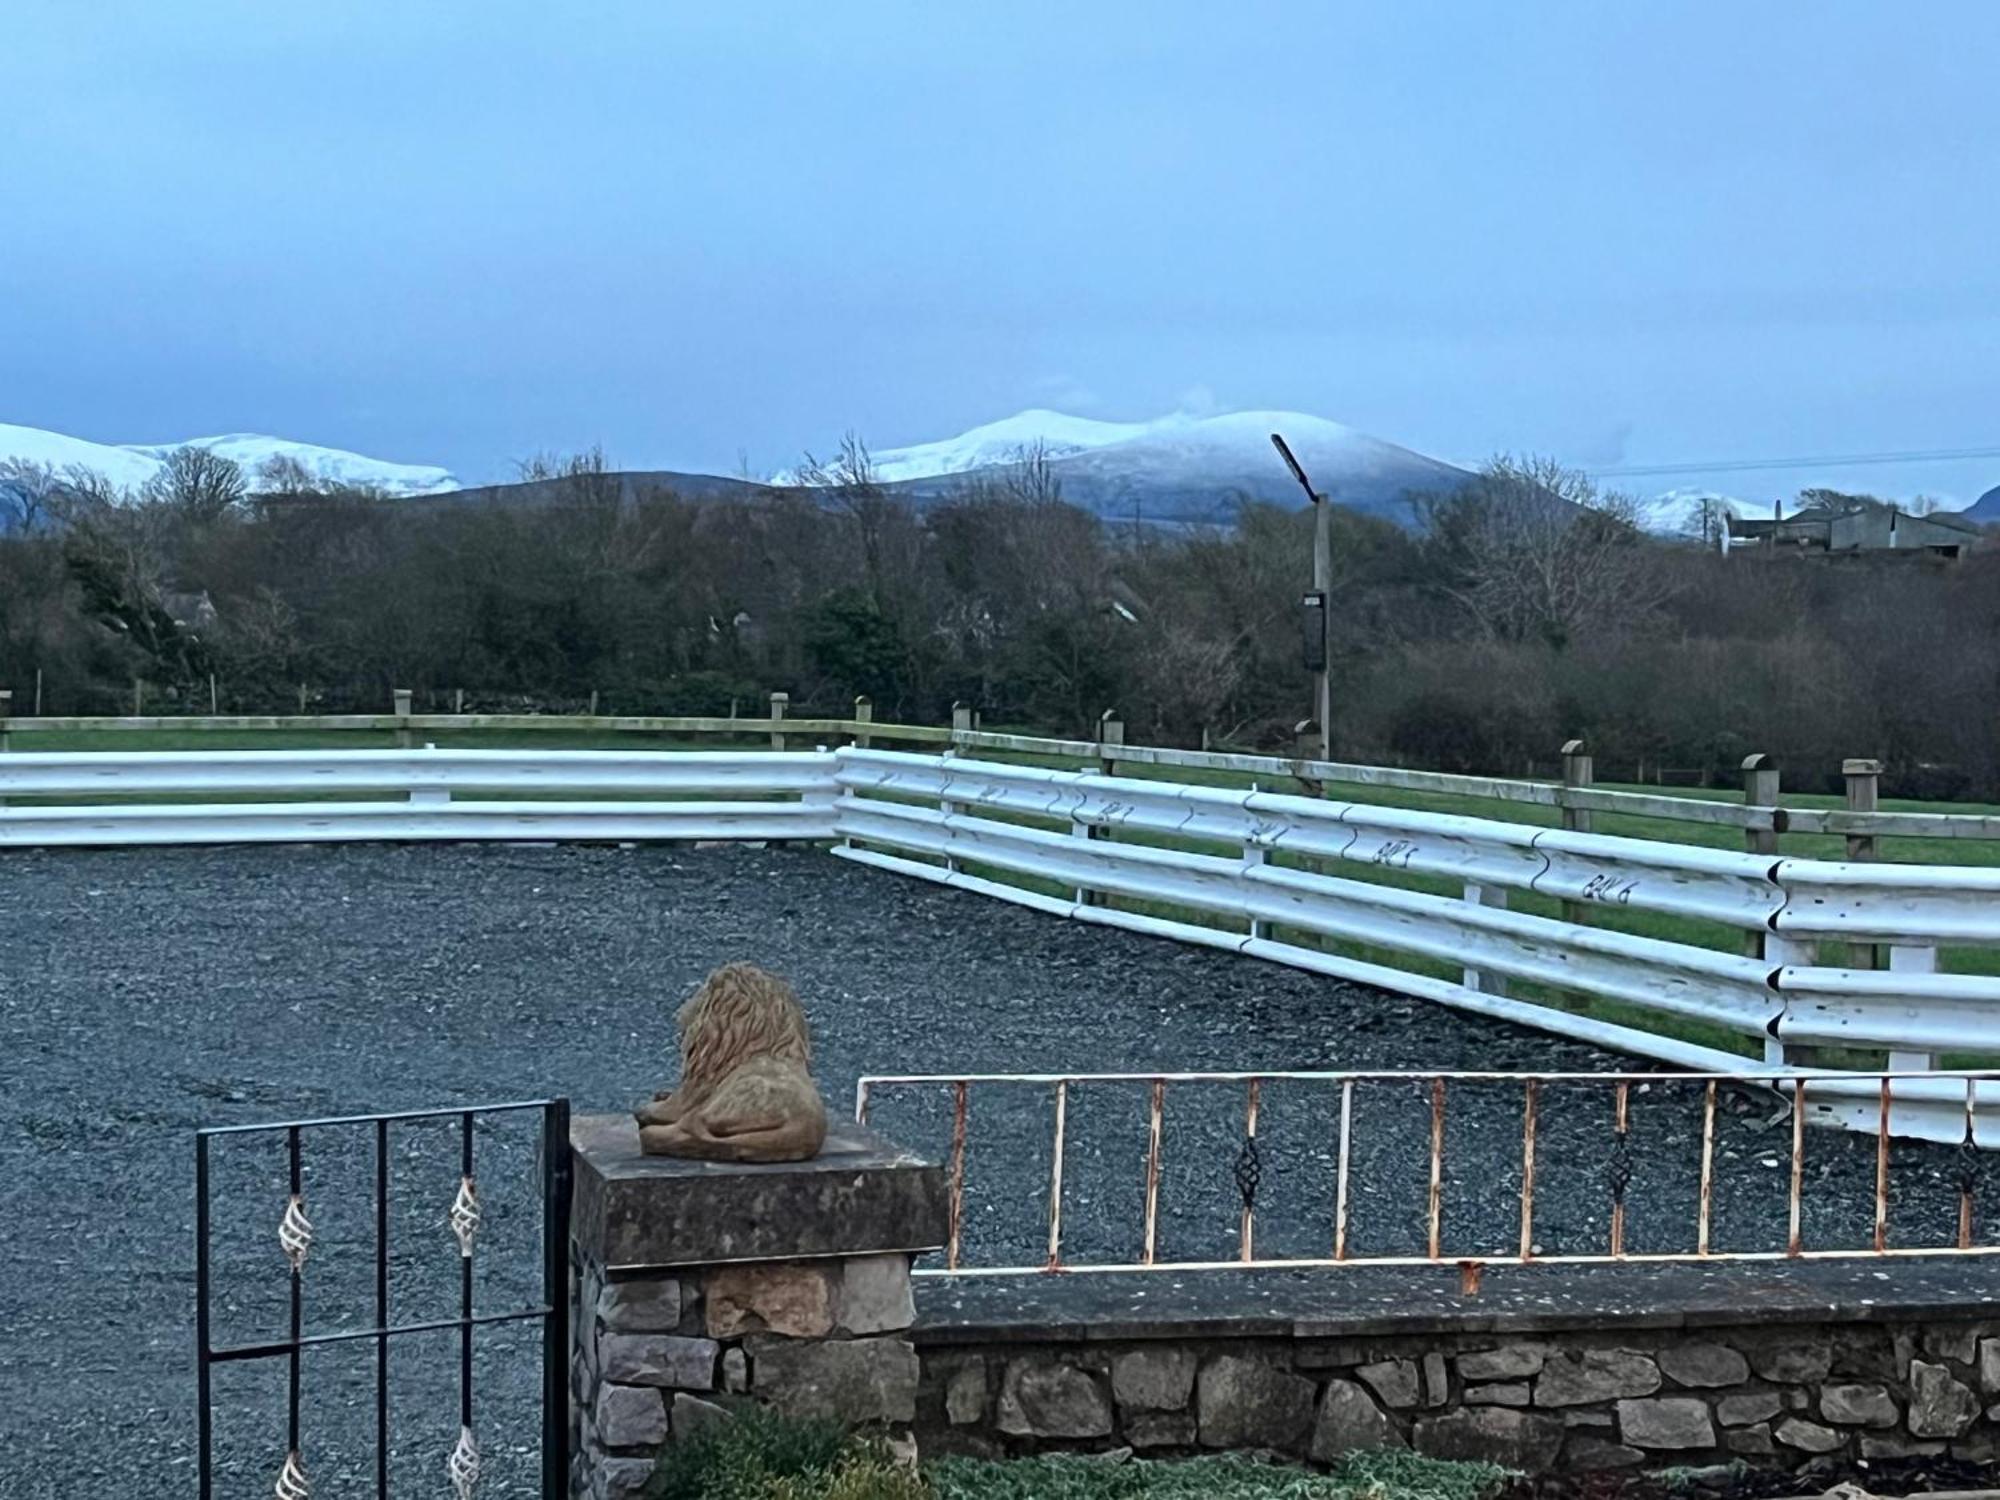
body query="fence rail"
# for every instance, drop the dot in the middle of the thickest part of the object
(1505, 920)
(1536, 1170)
(1760, 815)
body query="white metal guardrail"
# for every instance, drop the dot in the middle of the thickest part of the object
(583, 795)
(1417, 903)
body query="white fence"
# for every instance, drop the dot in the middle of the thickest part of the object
(1247, 871)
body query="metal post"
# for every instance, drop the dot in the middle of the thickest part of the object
(1323, 585)
(1323, 582)
(204, 1419)
(779, 702)
(555, 1296)
(864, 713)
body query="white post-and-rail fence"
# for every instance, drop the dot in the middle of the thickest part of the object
(1259, 879)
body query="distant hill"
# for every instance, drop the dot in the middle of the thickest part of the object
(1176, 470)
(129, 466)
(1986, 509)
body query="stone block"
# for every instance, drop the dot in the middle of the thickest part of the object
(875, 1294)
(965, 1394)
(1586, 1453)
(1940, 1405)
(1508, 1362)
(1528, 1441)
(1580, 1377)
(1047, 1398)
(735, 1371)
(1977, 1448)
(854, 1380)
(1666, 1422)
(1858, 1406)
(659, 1359)
(691, 1414)
(1750, 1440)
(1704, 1365)
(1796, 1360)
(645, 1304)
(1989, 1366)
(631, 1416)
(1960, 1343)
(859, 1196)
(1505, 1393)
(1748, 1408)
(1348, 1419)
(1866, 1353)
(793, 1298)
(1796, 1432)
(620, 1478)
(1246, 1403)
(1159, 1379)
(1437, 1379)
(1394, 1381)
(1160, 1429)
(1897, 1445)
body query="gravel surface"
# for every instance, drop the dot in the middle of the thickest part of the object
(145, 993)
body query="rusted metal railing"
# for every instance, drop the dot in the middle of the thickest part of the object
(1793, 1087)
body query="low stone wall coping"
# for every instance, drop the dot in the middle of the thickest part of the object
(860, 1195)
(1401, 1300)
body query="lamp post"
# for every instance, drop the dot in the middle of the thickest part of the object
(1318, 636)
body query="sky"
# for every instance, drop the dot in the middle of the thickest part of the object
(713, 236)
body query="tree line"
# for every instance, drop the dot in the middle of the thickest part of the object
(1523, 610)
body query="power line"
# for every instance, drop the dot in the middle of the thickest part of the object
(1818, 461)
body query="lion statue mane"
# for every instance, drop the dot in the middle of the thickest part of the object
(746, 1091)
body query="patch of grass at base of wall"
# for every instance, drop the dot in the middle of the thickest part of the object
(762, 1456)
(1383, 1475)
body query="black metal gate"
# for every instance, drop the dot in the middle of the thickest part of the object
(461, 1465)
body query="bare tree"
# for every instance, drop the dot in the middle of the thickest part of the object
(1533, 551)
(198, 483)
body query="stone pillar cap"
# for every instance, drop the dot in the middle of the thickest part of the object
(861, 1195)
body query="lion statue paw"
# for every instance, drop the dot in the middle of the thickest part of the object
(746, 1091)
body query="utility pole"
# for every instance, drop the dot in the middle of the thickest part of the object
(1318, 615)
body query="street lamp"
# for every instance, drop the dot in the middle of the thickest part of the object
(1316, 612)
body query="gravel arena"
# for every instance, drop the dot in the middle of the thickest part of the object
(144, 993)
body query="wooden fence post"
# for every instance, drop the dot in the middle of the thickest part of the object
(864, 713)
(1110, 735)
(779, 702)
(593, 703)
(1864, 795)
(302, 700)
(6, 712)
(403, 699)
(1760, 789)
(1477, 894)
(38, 692)
(1576, 776)
(961, 721)
(138, 697)
(458, 701)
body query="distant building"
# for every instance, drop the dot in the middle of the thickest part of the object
(1857, 528)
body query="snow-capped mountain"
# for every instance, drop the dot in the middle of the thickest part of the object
(128, 467)
(1679, 512)
(1177, 468)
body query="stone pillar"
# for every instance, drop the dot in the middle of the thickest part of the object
(699, 1286)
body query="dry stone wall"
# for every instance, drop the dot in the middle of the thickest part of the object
(1777, 1396)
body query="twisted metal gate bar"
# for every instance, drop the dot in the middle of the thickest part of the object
(295, 1240)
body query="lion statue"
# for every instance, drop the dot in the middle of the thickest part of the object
(746, 1091)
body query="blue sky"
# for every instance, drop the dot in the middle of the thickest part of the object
(702, 235)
